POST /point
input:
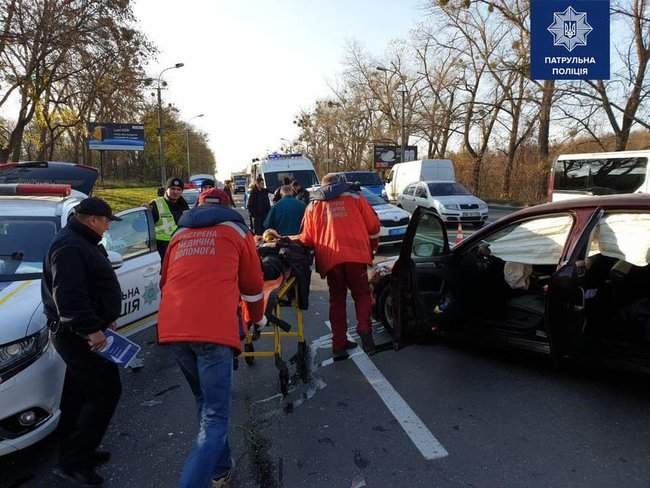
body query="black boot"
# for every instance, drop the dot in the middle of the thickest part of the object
(367, 343)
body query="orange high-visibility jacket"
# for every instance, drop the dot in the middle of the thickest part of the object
(210, 263)
(339, 225)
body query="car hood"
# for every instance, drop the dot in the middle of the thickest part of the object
(459, 199)
(388, 212)
(21, 309)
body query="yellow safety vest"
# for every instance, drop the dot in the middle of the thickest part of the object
(165, 225)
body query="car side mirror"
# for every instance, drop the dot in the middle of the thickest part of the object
(424, 250)
(115, 259)
(484, 249)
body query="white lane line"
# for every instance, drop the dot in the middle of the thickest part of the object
(420, 435)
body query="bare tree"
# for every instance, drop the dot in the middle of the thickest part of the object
(621, 101)
(47, 42)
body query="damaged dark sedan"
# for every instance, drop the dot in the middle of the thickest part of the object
(564, 279)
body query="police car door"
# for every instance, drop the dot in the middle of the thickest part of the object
(134, 239)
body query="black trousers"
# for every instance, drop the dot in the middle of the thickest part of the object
(258, 225)
(162, 248)
(91, 392)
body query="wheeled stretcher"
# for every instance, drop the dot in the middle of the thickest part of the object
(278, 294)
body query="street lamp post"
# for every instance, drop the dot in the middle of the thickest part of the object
(159, 85)
(187, 144)
(402, 124)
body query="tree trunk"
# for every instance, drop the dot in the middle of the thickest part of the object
(545, 119)
(507, 176)
(477, 163)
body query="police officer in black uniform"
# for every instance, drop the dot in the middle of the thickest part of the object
(82, 298)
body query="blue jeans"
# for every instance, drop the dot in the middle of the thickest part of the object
(208, 369)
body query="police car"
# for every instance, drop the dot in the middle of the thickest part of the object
(36, 200)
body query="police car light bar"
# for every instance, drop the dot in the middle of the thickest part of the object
(284, 156)
(35, 189)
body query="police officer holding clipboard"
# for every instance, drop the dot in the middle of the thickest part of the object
(82, 298)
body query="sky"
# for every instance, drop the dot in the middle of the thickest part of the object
(252, 65)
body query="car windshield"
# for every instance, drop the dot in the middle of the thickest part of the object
(445, 189)
(190, 196)
(364, 178)
(306, 178)
(373, 199)
(23, 244)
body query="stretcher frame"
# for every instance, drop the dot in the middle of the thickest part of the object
(301, 358)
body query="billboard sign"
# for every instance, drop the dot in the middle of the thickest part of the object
(115, 137)
(386, 155)
(569, 39)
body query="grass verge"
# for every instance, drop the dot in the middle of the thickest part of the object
(122, 198)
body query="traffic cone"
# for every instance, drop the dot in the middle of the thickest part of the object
(459, 234)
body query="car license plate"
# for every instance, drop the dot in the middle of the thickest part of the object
(397, 232)
(471, 214)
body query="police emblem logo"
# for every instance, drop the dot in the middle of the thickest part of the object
(570, 29)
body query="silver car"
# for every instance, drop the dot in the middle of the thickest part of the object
(450, 200)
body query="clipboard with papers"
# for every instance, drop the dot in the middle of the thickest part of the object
(118, 349)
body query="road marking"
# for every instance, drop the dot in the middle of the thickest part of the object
(420, 435)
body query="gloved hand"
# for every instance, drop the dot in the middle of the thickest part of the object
(263, 322)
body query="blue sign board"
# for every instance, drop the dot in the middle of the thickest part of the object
(118, 349)
(569, 39)
(115, 137)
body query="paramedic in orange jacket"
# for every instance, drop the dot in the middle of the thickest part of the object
(342, 228)
(210, 263)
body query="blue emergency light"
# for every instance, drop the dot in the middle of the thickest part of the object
(284, 156)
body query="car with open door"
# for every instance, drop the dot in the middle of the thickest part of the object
(31, 213)
(565, 279)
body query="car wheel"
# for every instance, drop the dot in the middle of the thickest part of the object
(385, 308)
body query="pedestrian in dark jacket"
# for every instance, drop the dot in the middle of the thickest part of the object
(82, 298)
(286, 215)
(277, 195)
(207, 184)
(258, 205)
(300, 193)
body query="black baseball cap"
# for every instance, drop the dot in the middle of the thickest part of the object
(95, 206)
(174, 181)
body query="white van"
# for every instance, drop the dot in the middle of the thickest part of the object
(402, 174)
(576, 175)
(275, 167)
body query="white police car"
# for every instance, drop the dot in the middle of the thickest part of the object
(393, 220)
(36, 200)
